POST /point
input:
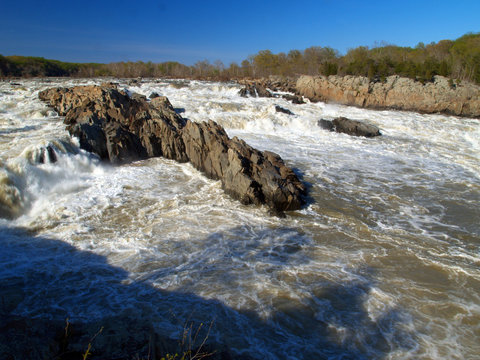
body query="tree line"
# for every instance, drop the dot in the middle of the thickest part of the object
(458, 59)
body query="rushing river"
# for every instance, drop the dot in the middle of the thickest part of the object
(383, 262)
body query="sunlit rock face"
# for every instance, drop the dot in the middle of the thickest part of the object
(438, 96)
(122, 128)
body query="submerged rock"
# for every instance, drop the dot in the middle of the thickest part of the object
(326, 124)
(120, 129)
(47, 155)
(283, 110)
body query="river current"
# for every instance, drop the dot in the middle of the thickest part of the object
(383, 262)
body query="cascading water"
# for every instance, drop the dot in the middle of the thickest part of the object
(383, 262)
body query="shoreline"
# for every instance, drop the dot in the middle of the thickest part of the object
(440, 96)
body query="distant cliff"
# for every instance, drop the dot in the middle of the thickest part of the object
(440, 96)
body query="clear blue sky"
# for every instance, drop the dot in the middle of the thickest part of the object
(189, 31)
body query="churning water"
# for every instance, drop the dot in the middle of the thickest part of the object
(384, 261)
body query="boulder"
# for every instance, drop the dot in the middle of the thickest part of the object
(120, 129)
(355, 128)
(326, 124)
(350, 127)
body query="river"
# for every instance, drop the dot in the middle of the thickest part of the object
(382, 262)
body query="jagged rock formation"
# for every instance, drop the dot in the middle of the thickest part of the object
(279, 83)
(259, 88)
(439, 96)
(120, 129)
(350, 127)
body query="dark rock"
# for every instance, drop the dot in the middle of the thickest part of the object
(92, 138)
(326, 124)
(47, 155)
(122, 145)
(247, 174)
(294, 99)
(356, 128)
(153, 95)
(255, 90)
(283, 110)
(120, 128)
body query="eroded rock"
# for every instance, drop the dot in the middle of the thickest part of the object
(120, 129)
(395, 93)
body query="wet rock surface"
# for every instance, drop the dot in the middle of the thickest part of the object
(283, 110)
(121, 128)
(295, 99)
(350, 127)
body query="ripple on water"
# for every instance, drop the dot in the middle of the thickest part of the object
(383, 262)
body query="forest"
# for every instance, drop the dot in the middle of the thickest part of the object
(457, 59)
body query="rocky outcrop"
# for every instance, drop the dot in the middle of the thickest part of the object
(120, 128)
(350, 127)
(279, 83)
(259, 88)
(255, 90)
(439, 96)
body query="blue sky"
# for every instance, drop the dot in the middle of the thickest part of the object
(189, 31)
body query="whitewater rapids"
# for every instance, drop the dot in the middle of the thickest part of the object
(383, 262)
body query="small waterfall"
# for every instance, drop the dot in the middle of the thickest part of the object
(38, 169)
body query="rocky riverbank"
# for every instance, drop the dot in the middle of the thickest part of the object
(439, 96)
(121, 128)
